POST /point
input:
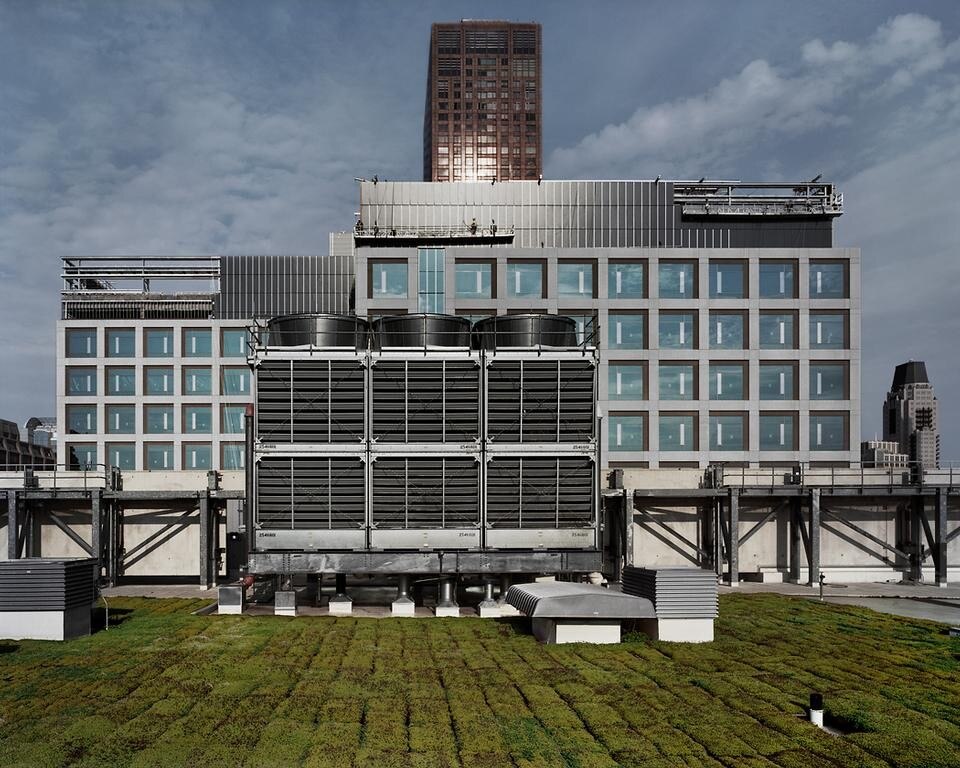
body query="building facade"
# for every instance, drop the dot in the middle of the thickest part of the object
(910, 415)
(483, 106)
(728, 326)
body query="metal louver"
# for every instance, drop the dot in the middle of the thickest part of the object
(322, 493)
(432, 492)
(540, 492)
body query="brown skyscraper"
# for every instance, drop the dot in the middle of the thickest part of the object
(482, 116)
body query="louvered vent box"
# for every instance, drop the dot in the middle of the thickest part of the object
(44, 599)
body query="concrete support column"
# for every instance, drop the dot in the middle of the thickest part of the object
(13, 527)
(796, 539)
(446, 605)
(206, 575)
(733, 536)
(489, 608)
(814, 564)
(940, 538)
(96, 531)
(403, 605)
(916, 539)
(716, 540)
(340, 603)
(33, 530)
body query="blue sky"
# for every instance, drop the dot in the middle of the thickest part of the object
(237, 127)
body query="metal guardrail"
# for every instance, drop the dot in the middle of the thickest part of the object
(98, 475)
(362, 231)
(858, 474)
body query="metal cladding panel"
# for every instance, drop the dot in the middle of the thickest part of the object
(39, 584)
(540, 492)
(677, 593)
(310, 401)
(426, 401)
(310, 493)
(317, 331)
(420, 331)
(567, 600)
(425, 492)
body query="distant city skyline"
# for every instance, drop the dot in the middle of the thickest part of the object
(177, 128)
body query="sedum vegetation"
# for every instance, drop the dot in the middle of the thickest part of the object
(165, 688)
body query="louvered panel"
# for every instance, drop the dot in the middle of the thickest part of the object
(347, 389)
(540, 388)
(503, 493)
(538, 493)
(273, 401)
(462, 407)
(389, 493)
(328, 493)
(425, 402)
(461, 502)
(389, 401)
(311, 405)
(503, 402)
(577, 402)
(348, 489)
(274, 493)
(426, 493)
(576, 502)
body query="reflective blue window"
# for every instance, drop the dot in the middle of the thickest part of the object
(828, 432)
(122, 455)
(231, 419)
(81, 381)
(727, 330)
(777, 330)
(677, 381)
(474, 280)
(121, 419)
(81, 419)
(677, 432)
(431, 290)
(232, 455)
(727, 381)
(197, 381)
(159, 456)
(727, 432)
(158, 342)
(236, 381)
(626, 432)
(388, 279)
(828, 280)
(121, 381)
(828, 381)
(625, 381)
(158, 381)
(81, 342)
(778, 280)
(677, 280)
(121, 343)
(233, 341)
(777, 432)
(777, 381)
(727, 280)
(625, 331)
(677, 330)
(828, 330)
(626, 280)
(197, 342)
(197, 419)
(197, 456)
(525, 279)
(575, 279)
(83, 456)
(157, 419)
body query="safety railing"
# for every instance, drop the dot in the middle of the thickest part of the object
(856, 474)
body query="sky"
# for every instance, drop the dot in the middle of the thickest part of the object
(237, 126)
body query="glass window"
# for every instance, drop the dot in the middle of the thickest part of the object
(777, 280)
(388, 279)
(525, 279)
(626, 330)
(197, 342)
(828, 381)
(232, 455)
(777, 432)
(159, 455)
(81, 381)
(197, 381)
(121, 381)
(233, 342)
(431, 290)
(677, 381)
(158, 381)
(234, 381)
(197, 419)
(677, 432)
(626, 432)
(158, 342)
(122, 455)
(231, 422)
(777, 330)
(626, 280)
(828, 432)
(121, 419)
(625, 381)
(828, 280)
(575, 279)
(157, 419)
(586, 326)
(778, 381)
(81, 342)
(828, 330)
(81, 419)
(726, 280)
(727, 432)
(474, 280)
(121, 343)
(727, 330)
(197, 456)
(677, 280)
(83, 456)
(677, 330)
(727, 381)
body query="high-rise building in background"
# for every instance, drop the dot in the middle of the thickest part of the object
(483, 107)
(910, 415)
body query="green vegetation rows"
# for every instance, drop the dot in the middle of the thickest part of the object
(165, 688)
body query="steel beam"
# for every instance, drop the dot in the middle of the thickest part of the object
(866, 534)
(940, 538)
(205, 569)
(75, 537)
(13, 527)
(733, 532)
(917, 512)
(96, 531)
(796, 540)
(814, 551)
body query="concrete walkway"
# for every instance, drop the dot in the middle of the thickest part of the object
(906, 590)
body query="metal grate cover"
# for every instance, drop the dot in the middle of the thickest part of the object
(677, 593)
(322, 493)
(426, 492)
(540, 492)
(40, 584)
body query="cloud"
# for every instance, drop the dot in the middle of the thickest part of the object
(828, 87)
